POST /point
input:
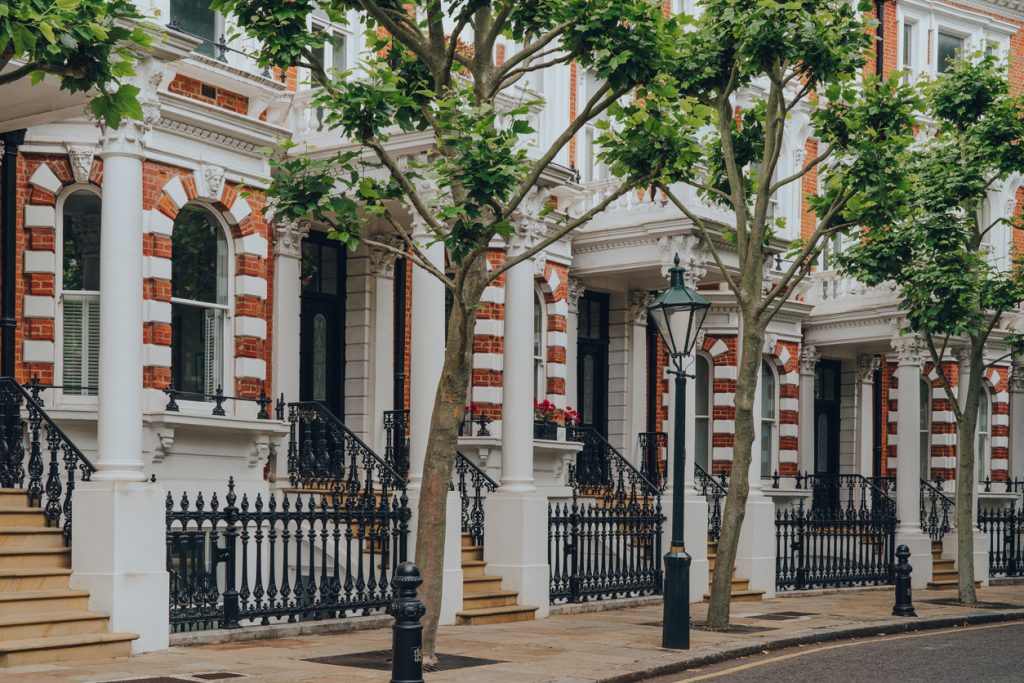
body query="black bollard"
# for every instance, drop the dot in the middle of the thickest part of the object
(407, 631)
(903, 607)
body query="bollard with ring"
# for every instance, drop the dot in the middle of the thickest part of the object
(407, 631)
(903, 607)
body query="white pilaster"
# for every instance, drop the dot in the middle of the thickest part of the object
(636, 393)
(866, 366)
(909, 357)
(576, 290)
(382, 366)
(1017, 420)
(427, 352)
(809, 357)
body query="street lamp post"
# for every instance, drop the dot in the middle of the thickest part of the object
(679, 313)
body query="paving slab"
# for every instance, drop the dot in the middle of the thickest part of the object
(584, 647)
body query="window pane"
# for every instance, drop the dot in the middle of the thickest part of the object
(908, 44)
(338, 55)
(310, 267)
(703, 388)
(199, 257)
(81, 242)
(196, 348)
(702, 441)
(329, 270)
(81, 344)
(767, 443)
(538, 328)
(196, 17)
(767, 391)
(949, 48)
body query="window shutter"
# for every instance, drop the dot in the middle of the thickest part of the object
(91, 324)
(81, 344)
(73, 342)
(211, 350)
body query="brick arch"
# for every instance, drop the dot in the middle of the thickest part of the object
(998, 380)
(785, 355)
(553, 281)
(248, 354)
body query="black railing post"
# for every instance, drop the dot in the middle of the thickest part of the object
(798, 548)
(903, 607)
(230, 617)
(407, 631)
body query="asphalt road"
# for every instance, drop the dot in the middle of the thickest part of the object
(973, 654)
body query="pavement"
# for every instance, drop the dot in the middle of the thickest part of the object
(609, 646)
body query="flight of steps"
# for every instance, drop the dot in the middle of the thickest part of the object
(741, 591)
(41, 618)
(483, 600)
(944, 575)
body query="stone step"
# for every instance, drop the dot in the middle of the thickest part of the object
(14, 498)
(35, 558)
(38, 602)
(473, 568)
(943, 565)
(495, 615)
(18, 515)
(65, 648)
(467, 539)
(31, 537)
(31, 579)
(481, 584)
(946, 575)
(50, 624)
(472, 552)
(472, 601)
(741, 596)
(944, 584)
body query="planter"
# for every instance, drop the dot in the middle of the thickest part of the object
(545, 430)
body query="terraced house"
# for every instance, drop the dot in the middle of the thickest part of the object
(182, 375)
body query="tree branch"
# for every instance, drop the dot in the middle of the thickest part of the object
(707, 188)
(805, 170)
(937, 362)
(705, 233)
(528, 51)
(405, 183)
(405, 32)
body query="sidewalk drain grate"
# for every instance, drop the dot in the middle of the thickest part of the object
(380, 660)
(781, 616)
(953, 602)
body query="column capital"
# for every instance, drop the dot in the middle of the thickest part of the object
(866, 367)
(288, 236)
(909, 349)
(638, 300)
(1017, 379)
(127, 139)
(382, 261)
(576, 289)
(962, 354)
(809, 357)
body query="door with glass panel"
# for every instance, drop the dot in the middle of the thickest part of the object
(592, 362)
(322, 326)
(827, 377)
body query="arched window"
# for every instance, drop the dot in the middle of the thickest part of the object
(199, 301)
(926, 429)
(702, 411)
(539, 375)
(984, 432)
(769, 418)
(80, 293)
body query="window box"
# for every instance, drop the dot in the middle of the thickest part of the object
(545, 430)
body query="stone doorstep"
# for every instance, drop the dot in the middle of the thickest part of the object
(817, 635)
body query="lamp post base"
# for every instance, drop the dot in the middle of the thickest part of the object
(675, 626)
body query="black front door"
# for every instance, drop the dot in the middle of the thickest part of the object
(322, 327)
(592, 362)
(826, 431)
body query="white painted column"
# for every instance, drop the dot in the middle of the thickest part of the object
(118, 552)
(809, 357)
(427, 350)
(909, 354)
(1017, 420)
(288, 236)
(866, 366)
(517, 512)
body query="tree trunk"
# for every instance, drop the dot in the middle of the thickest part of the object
(739, 480)
(965, 484)
(448, 413)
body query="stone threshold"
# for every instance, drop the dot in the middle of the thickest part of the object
(283, 630)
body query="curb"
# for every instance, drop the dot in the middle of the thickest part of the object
(813, 637)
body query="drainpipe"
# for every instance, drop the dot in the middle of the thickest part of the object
(8, 220)
(880, 34)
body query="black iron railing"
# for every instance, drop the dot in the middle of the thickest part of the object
(1005, 529)
(324, 453)
(606, 542)
(396, 448)
(714, 489)
(598, 461)
(936, 509)
(36, 454)
(218, 398)
(652, 453)
(298, 555)
(472, 482)
(475, 425)
(828, 546)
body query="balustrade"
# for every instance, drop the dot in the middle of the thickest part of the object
(471, 482)
(936, 510)
(714, 489)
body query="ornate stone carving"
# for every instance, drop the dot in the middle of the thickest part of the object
(771, 340)
(909, 349)
(213, 177)
(866, 367)
(530, 228)
(259, 453)
(576, 289)
(692, 257)
(127, 139)
(638, 300)
(809, 357)
(288, 236)
(1017, 379)
(81, 157)
(382, 261)
(699, 344)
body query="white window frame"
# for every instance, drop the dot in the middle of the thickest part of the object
(774, 421)
(332, 29)
(540, 372)
(925, 428)
(983, 456)
(59, 396)
(228, 339)
(220, 25)
(929, 17)
(710, 417)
